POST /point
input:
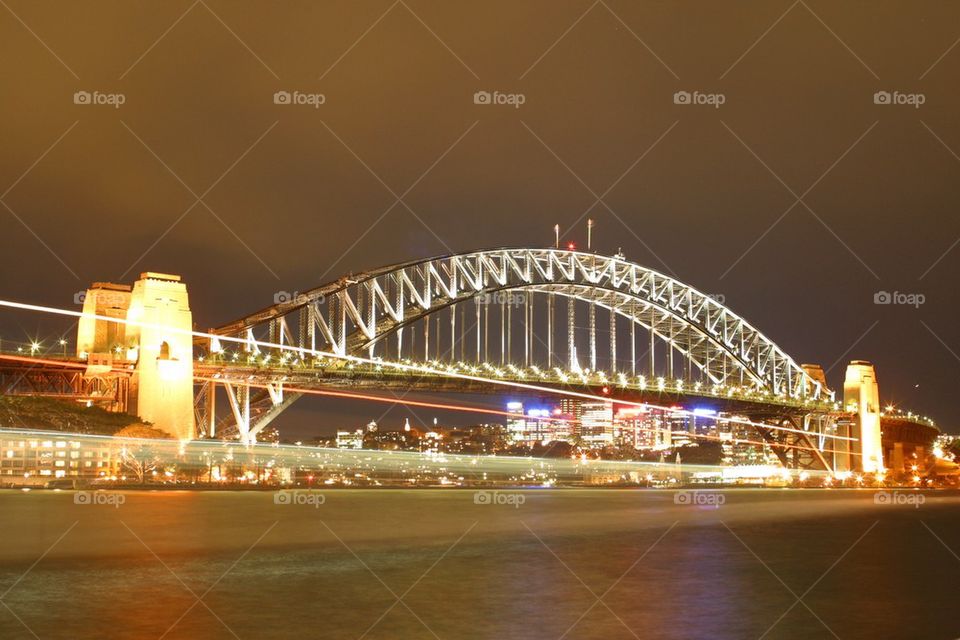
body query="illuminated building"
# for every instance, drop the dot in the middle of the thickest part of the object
(517, 422)
(56, 458)
(431, 442)
(530, 426)
(350, 439)
(572, 407)
(596, 423)
(561, 428)
(637, 427)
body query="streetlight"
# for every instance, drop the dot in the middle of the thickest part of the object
(34, 347)
(63, 343)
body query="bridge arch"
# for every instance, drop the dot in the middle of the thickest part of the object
(353, 314)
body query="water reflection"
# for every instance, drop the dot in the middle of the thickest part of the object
(411, 564)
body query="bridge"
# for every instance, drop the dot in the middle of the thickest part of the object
(539, 321)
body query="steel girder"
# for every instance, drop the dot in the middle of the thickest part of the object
(111, 391)
(252, 408)
(799, 448)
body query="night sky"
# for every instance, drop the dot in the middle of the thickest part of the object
(797, 199)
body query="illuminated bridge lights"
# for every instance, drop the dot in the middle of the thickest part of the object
(721, 355)
(557, 376)
(676, 410)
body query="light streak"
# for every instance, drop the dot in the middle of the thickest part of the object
(392, 400)
(415, 403)
(469, 409)
(366, 459)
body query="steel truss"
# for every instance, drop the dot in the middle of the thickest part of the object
(110, 391)
(355, 315)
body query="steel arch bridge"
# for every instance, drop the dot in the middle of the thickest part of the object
(393, 314)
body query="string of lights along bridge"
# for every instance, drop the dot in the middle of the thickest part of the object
(586, 329)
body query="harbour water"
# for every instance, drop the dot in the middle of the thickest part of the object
(558, 563)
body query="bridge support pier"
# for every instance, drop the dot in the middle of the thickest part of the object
(861, 397)
(153, 333)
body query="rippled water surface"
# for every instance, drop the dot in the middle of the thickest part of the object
(435, 564)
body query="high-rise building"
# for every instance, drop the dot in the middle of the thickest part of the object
(632, 429)
(530, 426)
(572, 407)
(561, 427)
(596, 423)
(516, 422)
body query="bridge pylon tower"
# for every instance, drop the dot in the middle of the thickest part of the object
(153, 335)
(861, 397)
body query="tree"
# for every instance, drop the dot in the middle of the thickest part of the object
(954, 448)
(139, 461)
(138, 458)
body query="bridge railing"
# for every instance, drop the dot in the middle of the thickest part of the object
(274, 367)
